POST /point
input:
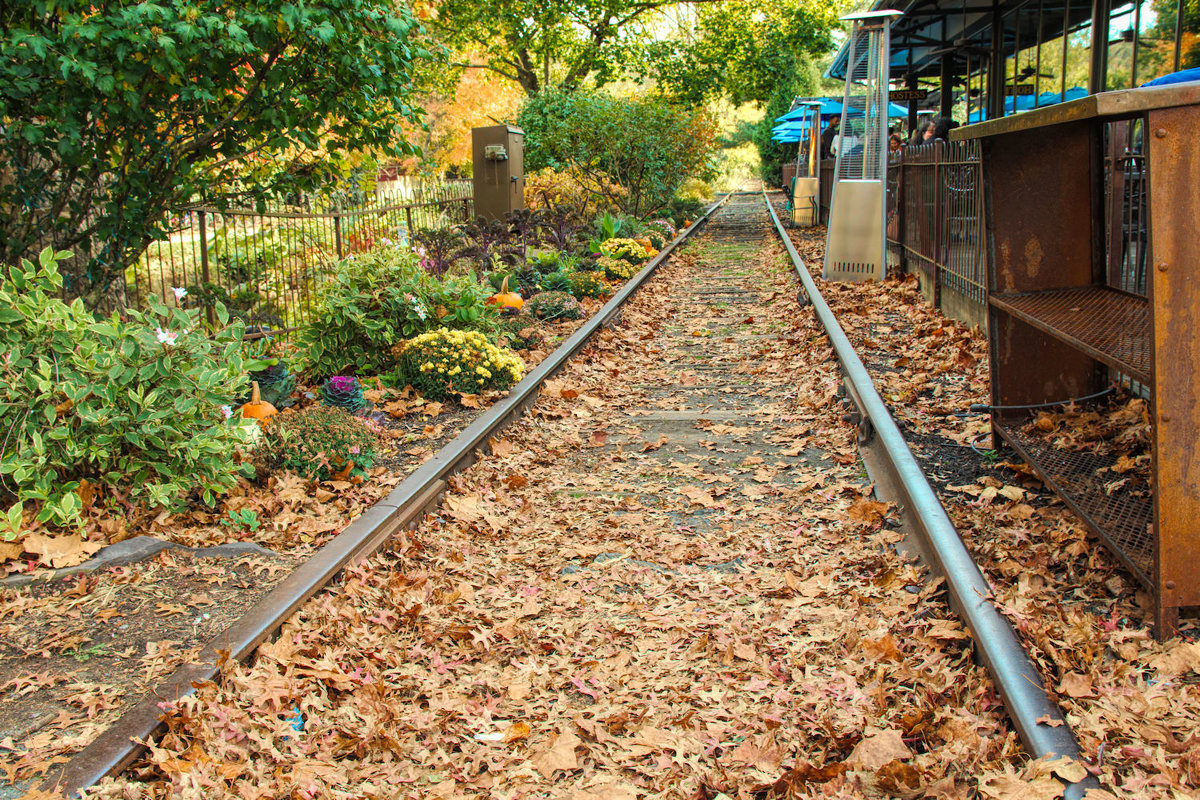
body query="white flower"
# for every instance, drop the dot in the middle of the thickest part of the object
(226, 412)
(420, 311)
(166, 337)
(179, 291)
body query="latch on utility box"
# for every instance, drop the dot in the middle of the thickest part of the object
(495, 152)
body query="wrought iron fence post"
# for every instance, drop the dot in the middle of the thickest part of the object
(209, 313)
(940, 235)
(337, 235)
(902, 216)
(408, 220)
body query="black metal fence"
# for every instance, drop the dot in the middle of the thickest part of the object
(936, 224)
(267, 266)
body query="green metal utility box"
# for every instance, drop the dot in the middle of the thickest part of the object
(498, 156)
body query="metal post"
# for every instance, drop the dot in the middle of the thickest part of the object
(946, 101)
(209, 313)
(911, 83)
(337, 235)
(1098, 76)
(408, 220)
(996, 73)
(939, 241)
(1180, 8)
(1137, 33)
(1066, 44)
(1037, 72)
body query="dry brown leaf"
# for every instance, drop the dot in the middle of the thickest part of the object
(1177, 659)
(560, 755)
(762, 753)
(60, 551)
(1010, 787)
(650, 447)
(877, 748)
(516, 732)
(1074, 684)
(868, 511)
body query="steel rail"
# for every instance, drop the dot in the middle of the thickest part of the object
(119, 746)
(1038, 720)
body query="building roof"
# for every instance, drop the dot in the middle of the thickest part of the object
(932, 30)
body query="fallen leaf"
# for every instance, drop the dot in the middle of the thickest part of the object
(560, 755)
(1075, 685)
(60, 551)
(515, 732)
(877, 748)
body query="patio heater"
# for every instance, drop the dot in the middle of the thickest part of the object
(806, 187)
(855, 246)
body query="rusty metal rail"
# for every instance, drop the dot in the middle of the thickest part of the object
(120, 745)
(1038, 721)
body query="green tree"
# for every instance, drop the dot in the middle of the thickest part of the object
(742, 49)
(1163, 30)
(551, 42)
(801, 80)
(114, 111)
(634, 152)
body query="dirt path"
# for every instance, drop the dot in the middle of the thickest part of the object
(669, 580)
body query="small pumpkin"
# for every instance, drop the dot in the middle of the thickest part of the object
(258, 408)
(506, 299)
(647, 245)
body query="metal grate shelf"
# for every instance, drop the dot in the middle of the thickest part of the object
(1124, 520)
(1109, 325)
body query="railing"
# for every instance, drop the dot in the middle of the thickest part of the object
(267, 267)
(938, 227)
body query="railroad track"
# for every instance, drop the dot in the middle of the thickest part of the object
(725, 432)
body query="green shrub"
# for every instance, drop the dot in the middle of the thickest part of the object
(556, 282)
(587, 284)
(555, 306)
(130, 403)
(519, 332)
(546, 262)
(372, 302)
(378, 299)
(442, 364)
(684, 208)
(626, 250)
(615, 269)
(317, 441)
(588, 264)
(647, 145)
(459, 302)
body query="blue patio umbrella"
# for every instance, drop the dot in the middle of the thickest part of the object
(1183, 76)
(1026, 102)
(831, 107)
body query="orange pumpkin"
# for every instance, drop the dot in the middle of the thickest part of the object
(506, 299)
(646, 244)
(258, 408)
